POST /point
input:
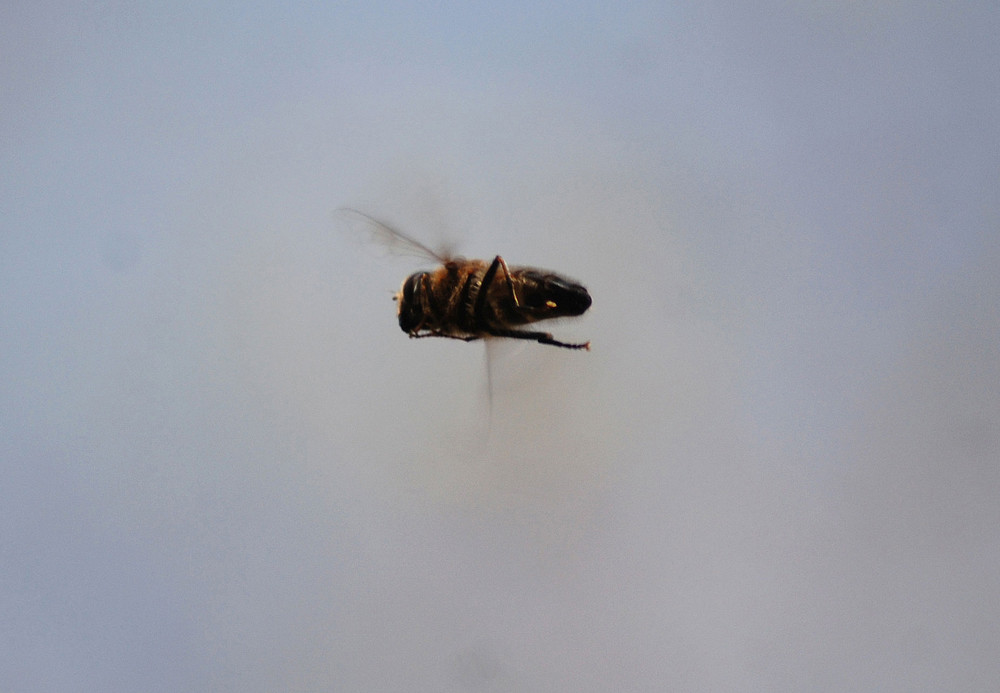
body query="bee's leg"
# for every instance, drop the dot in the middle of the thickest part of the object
(540, 337)
(491, 273)
(414, 335)
(510, 283)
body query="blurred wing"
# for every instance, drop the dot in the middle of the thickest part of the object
(396, 242)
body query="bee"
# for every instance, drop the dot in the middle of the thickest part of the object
(475, 299)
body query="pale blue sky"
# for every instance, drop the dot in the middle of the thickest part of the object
(225, 468)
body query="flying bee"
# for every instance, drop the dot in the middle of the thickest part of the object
(475, 299)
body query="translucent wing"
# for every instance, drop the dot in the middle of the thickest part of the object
(391, 239)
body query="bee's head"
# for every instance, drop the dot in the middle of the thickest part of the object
(546, 295)
(408, 304)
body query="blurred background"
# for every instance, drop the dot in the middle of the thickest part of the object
(223, 467)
